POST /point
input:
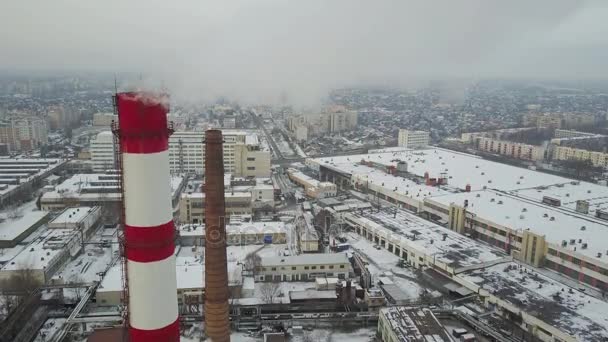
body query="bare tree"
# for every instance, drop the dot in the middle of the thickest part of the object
(235, 291)
(252, 262)
(270, 291)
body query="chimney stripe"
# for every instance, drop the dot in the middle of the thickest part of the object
(148, 244)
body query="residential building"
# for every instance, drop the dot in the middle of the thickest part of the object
(104, 119)
(402, 323)
(511, 149)
(332, 120)
(23, 133)
(304, 267)
(245, 155)
(599, 159)
(413, 139)
(103, 152)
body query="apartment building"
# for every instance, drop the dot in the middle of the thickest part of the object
(599, 159)
(304, 267)
(511, 149)
(305, 126)
(103, 152)
(23, 133)
(413, 139)
(104, 119)
(245, 155)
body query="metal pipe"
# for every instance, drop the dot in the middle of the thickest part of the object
(149, 232)
(217, 324)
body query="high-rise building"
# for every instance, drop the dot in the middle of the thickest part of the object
(23, 133)
(103, 152)
(413, 139)
(244, 154)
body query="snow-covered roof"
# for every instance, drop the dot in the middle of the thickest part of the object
(568, 193)
(311, 295)
(28, 168)
(567, 309)
(14, 222)
(415, 324)
(236, 228)
(445, 245)
(464, 169)
(190, 274)
(306, 259)
(39, 254)
(555, 224)
(72, 215)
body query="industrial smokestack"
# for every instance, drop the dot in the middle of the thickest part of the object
(217, 324)
(149, 232)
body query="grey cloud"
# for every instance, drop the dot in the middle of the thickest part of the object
(256, 50)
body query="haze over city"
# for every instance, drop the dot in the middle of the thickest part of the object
(257, 50)
(303, 171)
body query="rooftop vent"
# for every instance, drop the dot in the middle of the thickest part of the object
(483, 173)
(588, 191)
(521, 177)
(545, 215)
(478, 195)
(580, 240)
(572, 241)
(500, 202)
(552, 218)
(492, 200)
(523, 210)
(564, 243)
(489, 181)
(521, 217)
(567, 195)
(599, 254)
(584, 246)
(583, 228)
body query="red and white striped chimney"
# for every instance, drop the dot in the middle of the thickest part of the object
(149, 230)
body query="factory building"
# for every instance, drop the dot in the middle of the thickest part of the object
(572, 244)
(305, 267)
(96, 189)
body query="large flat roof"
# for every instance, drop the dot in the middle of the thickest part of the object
(518, 214)
(464, 169)
(567, 309)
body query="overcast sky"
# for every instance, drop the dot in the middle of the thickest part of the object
(259, 48)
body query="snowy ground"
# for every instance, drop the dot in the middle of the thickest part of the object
(48, 329)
